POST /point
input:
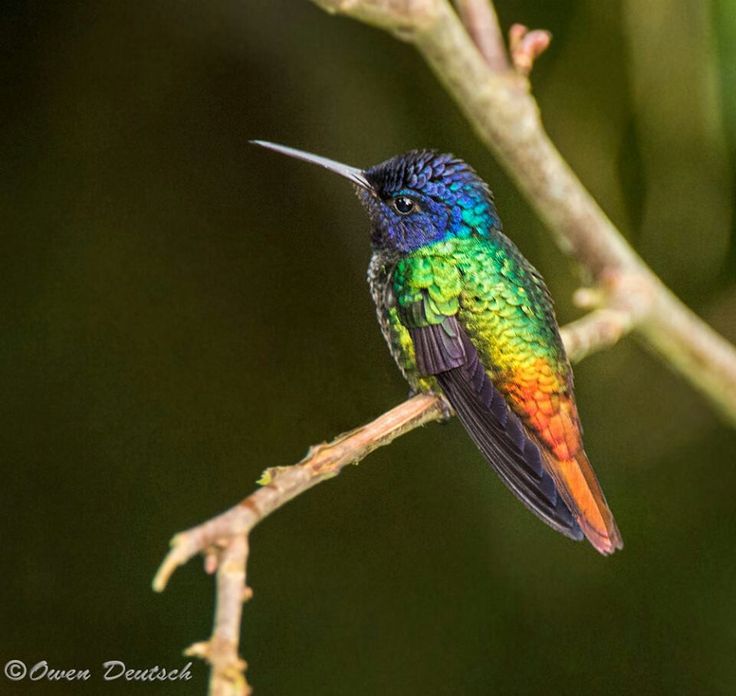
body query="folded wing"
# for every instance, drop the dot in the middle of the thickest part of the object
(445, 351)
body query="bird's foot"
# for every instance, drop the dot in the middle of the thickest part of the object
(445, 408)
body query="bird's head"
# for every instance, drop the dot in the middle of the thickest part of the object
(416, 198)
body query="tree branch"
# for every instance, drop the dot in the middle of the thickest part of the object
(281, 484)
(227, 676)
(628, 295)
(224, 538)
(506, 117)
(479, 17)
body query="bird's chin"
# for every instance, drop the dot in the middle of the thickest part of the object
(366, 196)
(373, 205)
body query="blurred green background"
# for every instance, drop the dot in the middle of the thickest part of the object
(180, 310)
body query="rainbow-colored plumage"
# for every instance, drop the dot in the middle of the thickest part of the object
(466, 315)
(505, 308)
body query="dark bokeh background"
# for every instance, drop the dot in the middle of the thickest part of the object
(180, 310)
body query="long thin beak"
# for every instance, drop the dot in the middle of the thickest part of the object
(351, 173)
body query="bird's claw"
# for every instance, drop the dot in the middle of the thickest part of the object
(445, 409)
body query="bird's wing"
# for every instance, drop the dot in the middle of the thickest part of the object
(442, 348)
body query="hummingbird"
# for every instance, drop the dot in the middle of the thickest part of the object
(467, 317)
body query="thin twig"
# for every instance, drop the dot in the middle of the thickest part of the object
(526, 46)
(481, 21)
(281, 484)
(600, 329)
(227, 676)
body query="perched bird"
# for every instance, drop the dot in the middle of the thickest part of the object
(465, 315)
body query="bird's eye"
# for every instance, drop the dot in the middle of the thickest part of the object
(403, 205)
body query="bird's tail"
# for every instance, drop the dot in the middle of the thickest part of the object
(579, 487)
